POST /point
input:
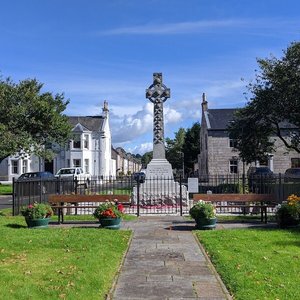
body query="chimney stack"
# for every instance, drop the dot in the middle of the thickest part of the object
(204, 102)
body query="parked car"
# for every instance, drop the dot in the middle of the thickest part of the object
(77, 173)
(292, 175)
(259, 178)
(36, 175)
(35, 183)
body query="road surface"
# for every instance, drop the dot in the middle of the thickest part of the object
(5, 201)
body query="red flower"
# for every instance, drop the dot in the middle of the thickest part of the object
(120, 208)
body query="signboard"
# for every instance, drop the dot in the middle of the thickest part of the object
(193, 185)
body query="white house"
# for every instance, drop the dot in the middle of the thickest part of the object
(90, 148)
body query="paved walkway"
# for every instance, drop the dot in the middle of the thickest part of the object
(164, 261)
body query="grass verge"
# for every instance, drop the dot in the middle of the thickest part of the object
(256, 264)
(58, 263)
(5, 189)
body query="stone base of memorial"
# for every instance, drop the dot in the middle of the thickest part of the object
(159, 187)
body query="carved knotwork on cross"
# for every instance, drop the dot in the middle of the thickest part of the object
(158, 93)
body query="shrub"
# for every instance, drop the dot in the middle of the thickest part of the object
(37, 211)
(288, 214)
(203, 210)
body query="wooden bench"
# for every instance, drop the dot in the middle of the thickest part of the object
(59, 202)
(242, 201)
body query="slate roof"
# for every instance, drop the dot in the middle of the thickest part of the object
(92, 123)
(220, 118)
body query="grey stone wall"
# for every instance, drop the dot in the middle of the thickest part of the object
(219, 155)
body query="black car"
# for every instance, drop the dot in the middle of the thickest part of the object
(35, 183)
(36, 175)
(292, 175)
(259, 178)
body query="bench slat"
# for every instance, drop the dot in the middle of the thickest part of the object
(233, 197)
(87, 198)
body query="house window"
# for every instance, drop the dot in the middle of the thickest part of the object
(68, 163)
(24, 166)
(14, 167)
(295, 162)
(86, 141)
(86, 166)
(77, 141)
(233, 166)
(76, 163)
(232, 143)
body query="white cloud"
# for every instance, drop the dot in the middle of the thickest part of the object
(171, 115)
(173, 28)
(132, 126)
(142, 148)
(256, 25)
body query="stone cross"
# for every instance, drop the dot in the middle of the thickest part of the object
(158, 93)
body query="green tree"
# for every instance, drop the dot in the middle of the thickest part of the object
(30, 119)
(146, 158)
(191, 147)
(275, 102)
(174, 153)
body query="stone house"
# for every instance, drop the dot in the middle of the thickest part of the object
(217, 152)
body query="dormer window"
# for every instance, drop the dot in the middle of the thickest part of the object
(77, 141)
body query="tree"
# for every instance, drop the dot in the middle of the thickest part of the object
(274, 108)
(174, 147)
(191, 147)
(146, 158)
(30, 119)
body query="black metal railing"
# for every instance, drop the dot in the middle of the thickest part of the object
(156, 195)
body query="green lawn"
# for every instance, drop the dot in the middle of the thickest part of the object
(256, 264)
(5, 189)
(58, 263)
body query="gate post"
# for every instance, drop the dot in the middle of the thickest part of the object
(180, 196)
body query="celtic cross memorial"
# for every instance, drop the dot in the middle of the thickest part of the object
(158, 93)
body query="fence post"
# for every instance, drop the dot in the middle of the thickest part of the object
(138, 198)
(280, 189)
(180, 196)
(14, 197)
(41, 189)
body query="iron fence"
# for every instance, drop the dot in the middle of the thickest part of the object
(275, 184)
(154, 196)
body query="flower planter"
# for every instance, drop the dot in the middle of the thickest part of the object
(37, 223)
(110, 223)
(287, 222)
(203, 224)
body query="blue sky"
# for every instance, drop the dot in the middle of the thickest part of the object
(108, 50)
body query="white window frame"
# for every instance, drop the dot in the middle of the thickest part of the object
(24, 166)
(76, 143)
(295, 162)
(14, 166)
(86, 141)
(233, 163)
(75, 163)
(87, 165)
